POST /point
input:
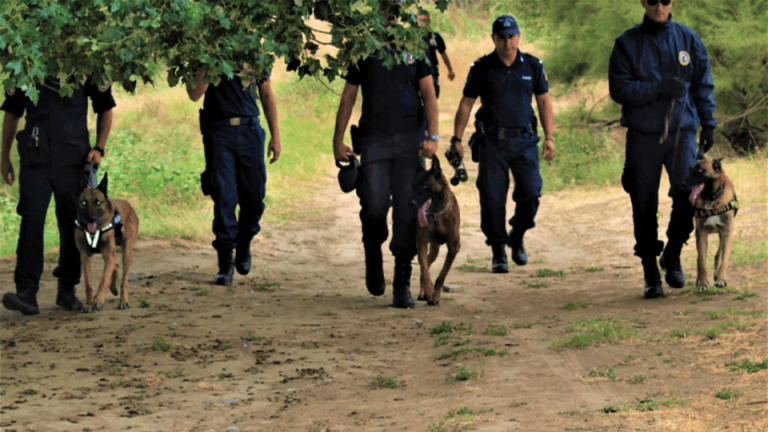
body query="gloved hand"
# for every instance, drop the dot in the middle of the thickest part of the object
(671, 88)
(707, 138)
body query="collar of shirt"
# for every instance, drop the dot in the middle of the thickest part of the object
(652, 27)
(518, 59)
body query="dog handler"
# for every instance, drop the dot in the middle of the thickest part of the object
(506, 81)
(53, 149)
(655, 66)
(436, 44)
(235, 169)
(391, 140)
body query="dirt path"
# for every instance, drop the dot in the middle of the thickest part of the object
(297, 344)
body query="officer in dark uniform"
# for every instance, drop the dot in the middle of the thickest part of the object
(53, 148)
(235, 169)
(391, 140)
(436, 44)
(506, 80)
(659, 72)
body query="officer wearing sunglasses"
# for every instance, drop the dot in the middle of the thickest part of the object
(659, 72)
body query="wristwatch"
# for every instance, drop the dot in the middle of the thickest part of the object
(433, 137)
(99, 149)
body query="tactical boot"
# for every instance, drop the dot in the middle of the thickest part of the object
(670, 263)
(652, 279)
(374, 271)
(66, 299)
(226, 267)
(24, 301)
(401, 286)
(243, 258)
(499, 264)
(519, 255)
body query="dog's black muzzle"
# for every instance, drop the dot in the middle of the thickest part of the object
(420, 192)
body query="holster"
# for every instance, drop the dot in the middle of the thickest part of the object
(354, 133)
(477, 140)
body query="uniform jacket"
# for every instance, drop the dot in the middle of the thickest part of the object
(648, 53)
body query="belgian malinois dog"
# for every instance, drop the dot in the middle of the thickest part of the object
(102, 224)
(715, 205)
(439, 221)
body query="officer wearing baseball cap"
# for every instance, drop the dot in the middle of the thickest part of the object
(506, 81)
(660, 75)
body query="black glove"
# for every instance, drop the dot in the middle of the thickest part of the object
(671, 88)
(707, 138)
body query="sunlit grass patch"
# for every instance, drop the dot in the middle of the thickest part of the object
(458, 420)
(748, 366)
(598, 330)
(385, 382)
(576, 305)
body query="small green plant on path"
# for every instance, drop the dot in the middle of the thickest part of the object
(576, 305)
(545, 272)
(603, 371)
(160, 344)
(464, 374)
(747, 295)
(637, 379)
(593, 269)
(496, 331)
(458, 420)
(597, 330)
(385, 382)
(748, 366)
(447, 327)
(144, 303)
(726, 394)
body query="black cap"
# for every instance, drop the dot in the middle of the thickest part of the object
(505, 25)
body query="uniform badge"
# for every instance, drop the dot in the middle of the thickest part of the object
(408, 58)
(433, 42)
(684, 58)
(11, 91)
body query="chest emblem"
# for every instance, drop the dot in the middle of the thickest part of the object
(684, 58)
(433, 42)
(408, 57)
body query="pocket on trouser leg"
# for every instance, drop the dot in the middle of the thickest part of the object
(628, 181)
(205, 183)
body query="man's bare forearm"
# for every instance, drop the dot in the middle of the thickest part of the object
(103, 127)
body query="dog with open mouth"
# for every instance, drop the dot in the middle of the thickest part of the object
(715, 206)
(438, 224)
(102, 224)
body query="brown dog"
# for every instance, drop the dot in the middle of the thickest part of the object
(439, 222)
(714, 201)
(104, 223)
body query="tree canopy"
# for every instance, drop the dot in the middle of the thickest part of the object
(133, 40)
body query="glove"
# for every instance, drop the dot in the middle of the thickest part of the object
(671, 88)
(707, 138)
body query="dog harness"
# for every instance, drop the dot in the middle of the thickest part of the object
(93, 239)
(705, 213)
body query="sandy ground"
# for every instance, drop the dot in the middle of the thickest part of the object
(297, 344)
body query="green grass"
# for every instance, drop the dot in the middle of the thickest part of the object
(593, 269)
(160, 344)
(465, 374)
(458, 420)
(598, 330)
(519, 325)
(549, 273)
(637, 379)
(647, 404)
(265, 286)
(710, 332)
(385, 382)
(603, 371)
(746, 295)
(748, 366)
(447, 327)
(496, 331)
(572, 306)
(448, 354)
(727, 394)
(731, 312)
(143, 303)
(474, 264)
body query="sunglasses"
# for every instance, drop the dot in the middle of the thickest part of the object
(655, 2)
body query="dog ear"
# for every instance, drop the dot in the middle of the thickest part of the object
(717, 166)
(103, 185)
(436, 170)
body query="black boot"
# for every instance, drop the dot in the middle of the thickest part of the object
(65, 298)
(499, 264)
(24, 301)
(652, 278)
(243, 258)
(374, 271)
(401, 286)
(226, 267)
(519, 255)
(670, 263)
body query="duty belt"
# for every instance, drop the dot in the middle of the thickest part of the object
(505, 132)
(234, 121)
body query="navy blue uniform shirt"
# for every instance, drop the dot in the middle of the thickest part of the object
(646, 54)
(62, 121)
(435, 44)
(391, 99)
(229, 99)
(506, 92)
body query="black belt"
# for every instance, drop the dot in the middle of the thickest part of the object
(505, 132)
(234, 121)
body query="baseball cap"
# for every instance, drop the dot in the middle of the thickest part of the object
(505, 25)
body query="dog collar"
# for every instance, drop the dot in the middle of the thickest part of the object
(705, 213)
(93, 239)
(715, 194)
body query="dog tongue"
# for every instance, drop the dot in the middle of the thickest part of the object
(695, 193)
(92, 227)
(423, 214)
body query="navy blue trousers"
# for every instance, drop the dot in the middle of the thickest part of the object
(36, 186)
(645, 158)
(387, 168)
(497, 158)
(234, 158)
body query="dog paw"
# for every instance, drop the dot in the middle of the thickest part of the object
(702, 285)
(421, 297)
(94, 307)
(433, 302)
(123, 306)
(720, 283)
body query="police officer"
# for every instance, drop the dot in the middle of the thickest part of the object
(53, 149)
(235, 169)
(436, 44)
(506, 80)
(391, 140)
(659, 72)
